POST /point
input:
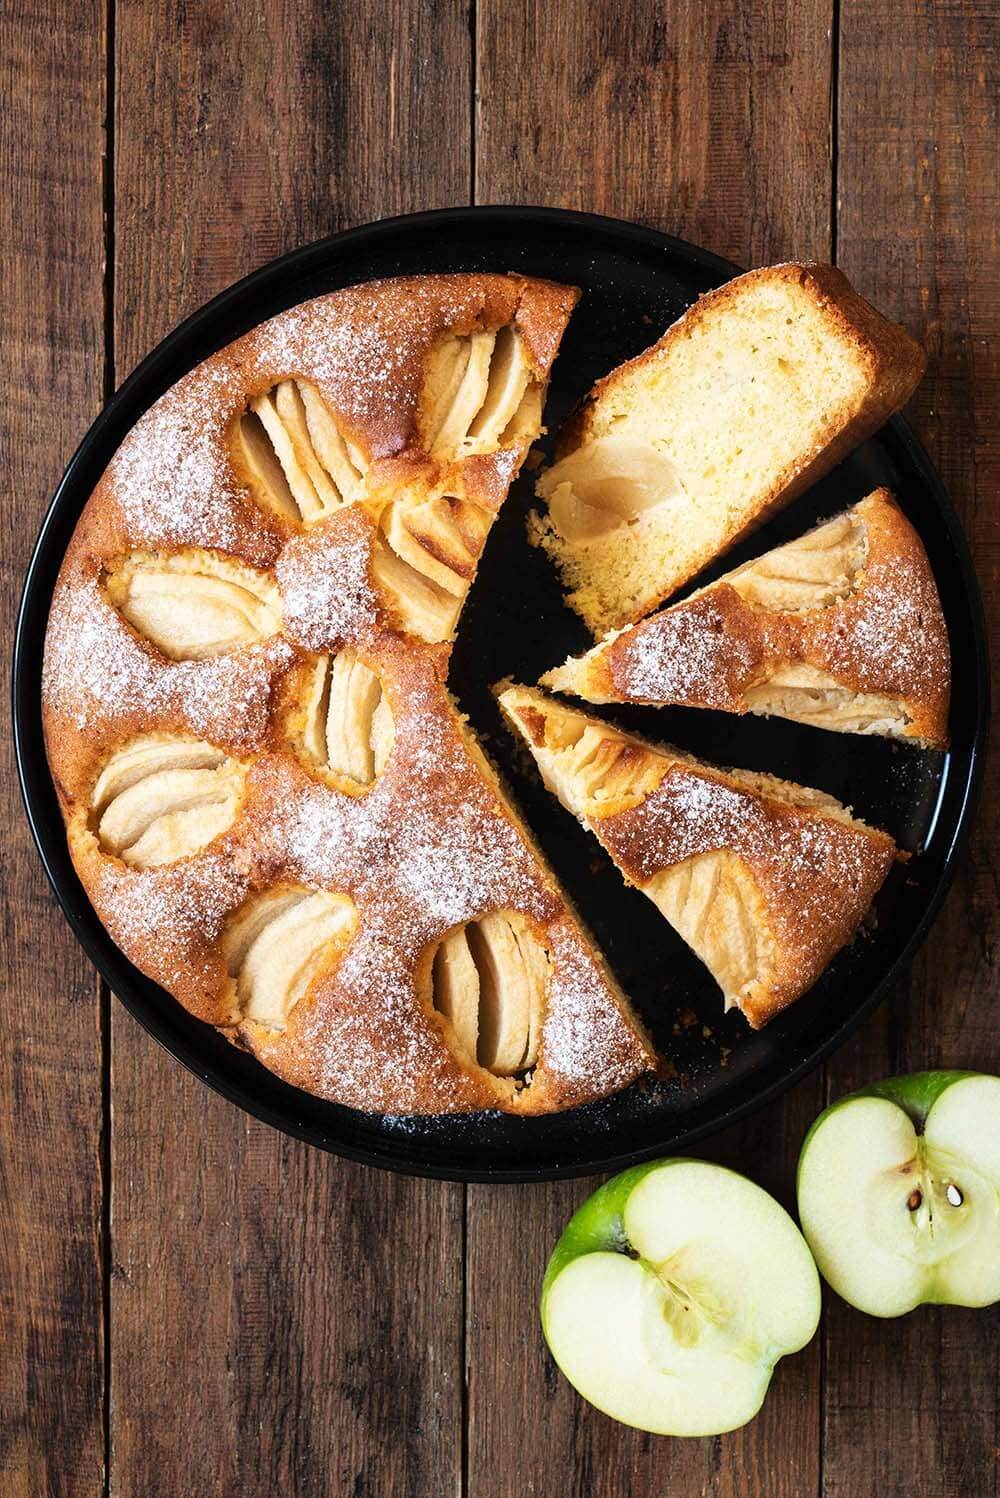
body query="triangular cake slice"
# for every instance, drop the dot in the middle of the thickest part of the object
(842, 628)
(422, 427)
(765, 880)
(759, 389)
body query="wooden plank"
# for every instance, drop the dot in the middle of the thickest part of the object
(711, 121)
(51, 356)
(920, 200)
(281, 1321)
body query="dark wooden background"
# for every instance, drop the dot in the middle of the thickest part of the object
(191, 1304)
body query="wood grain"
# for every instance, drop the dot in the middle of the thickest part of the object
(711, 119)
(920, 202)
(51, 357)
(281, 1321)
(677, 116)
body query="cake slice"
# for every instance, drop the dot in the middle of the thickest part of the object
(758, 390)
(764, 880)
(842, 628)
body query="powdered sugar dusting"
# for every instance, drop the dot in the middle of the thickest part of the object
(365, 359)
(583, 1039)
(329, 839)
(685, 655)
(326, 590)
(478, 862)
(691, 814)
(170, 908)
(171, 477)
(97, 672)
(818, 873)
(392, 1052)
(893, 640)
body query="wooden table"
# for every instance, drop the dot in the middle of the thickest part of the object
(191, 1304)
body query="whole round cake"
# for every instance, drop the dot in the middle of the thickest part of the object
(272, 802)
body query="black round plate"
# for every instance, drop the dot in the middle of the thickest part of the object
(635, 281)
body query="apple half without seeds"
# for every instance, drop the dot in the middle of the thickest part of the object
(672, 1294)
(899, 1192)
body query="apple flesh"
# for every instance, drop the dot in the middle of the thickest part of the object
(673, 1292)
(899, 1193)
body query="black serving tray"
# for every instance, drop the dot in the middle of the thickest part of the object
(635, 281)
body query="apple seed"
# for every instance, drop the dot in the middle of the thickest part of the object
(861, 1162)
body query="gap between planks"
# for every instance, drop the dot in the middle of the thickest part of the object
(103, 990)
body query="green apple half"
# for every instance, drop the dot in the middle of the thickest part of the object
(899, 1192)
(673, 1292)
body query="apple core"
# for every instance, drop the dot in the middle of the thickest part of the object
(899, 1193)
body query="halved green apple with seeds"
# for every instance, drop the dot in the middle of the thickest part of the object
(673, 1292)
(899, 1192)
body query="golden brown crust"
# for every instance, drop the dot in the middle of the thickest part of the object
(815, 875)
(431, 843)
(802, 871)
(886, 637)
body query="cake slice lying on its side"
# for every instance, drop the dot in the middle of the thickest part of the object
(765, 880)
(759, 389)
(842, 629)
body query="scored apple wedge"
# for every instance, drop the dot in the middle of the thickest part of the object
(292, 454)
(490, 979)
(160, 798)
(672, 1294)
(344, 724)
(765, 880)
(193, 604)
(277, 943)
(841, 628)
(899, 1192)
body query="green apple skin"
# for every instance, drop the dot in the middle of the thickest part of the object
(598, 1224)
(880, 1254)
(677, 1344)
(916, 1094)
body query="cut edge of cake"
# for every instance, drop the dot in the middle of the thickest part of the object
(841, 628)
(755, 392)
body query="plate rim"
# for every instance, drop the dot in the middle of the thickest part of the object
(96, 941)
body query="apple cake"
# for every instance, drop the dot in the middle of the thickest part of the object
(271, 801)
(842, 628)
(764, 880)
(759, 389)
